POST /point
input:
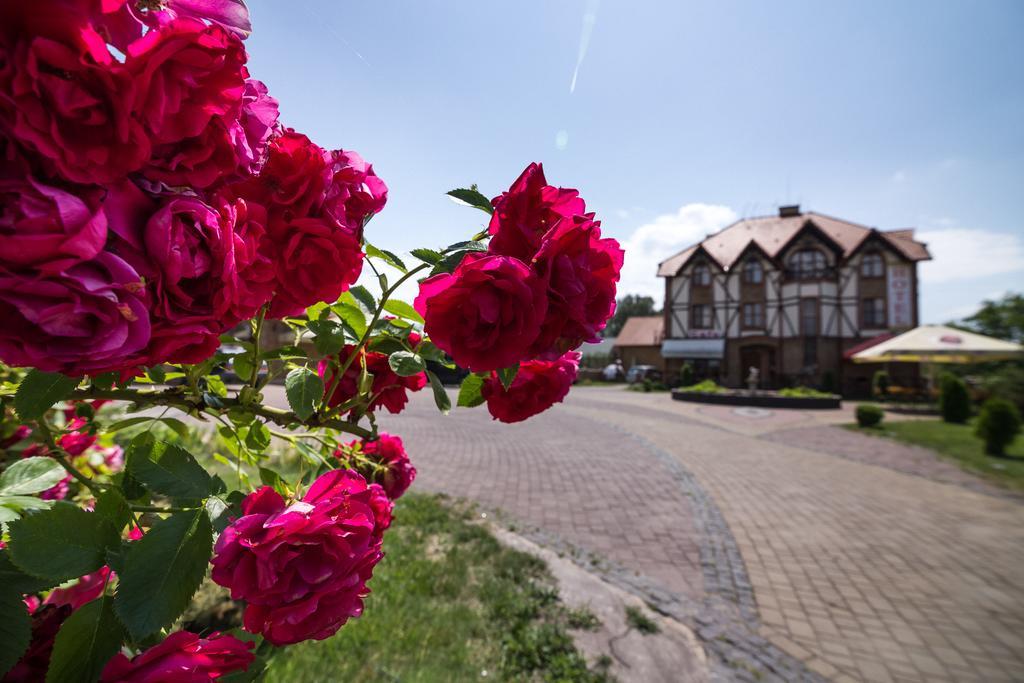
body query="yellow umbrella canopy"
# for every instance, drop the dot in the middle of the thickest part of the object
(939, 344)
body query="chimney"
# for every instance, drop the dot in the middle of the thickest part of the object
(789, 210)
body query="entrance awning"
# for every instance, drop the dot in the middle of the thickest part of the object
(693, 348)
(940, 344)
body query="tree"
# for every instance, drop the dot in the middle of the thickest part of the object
(1003, 319)
(627, 307)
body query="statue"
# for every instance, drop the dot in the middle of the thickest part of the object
(753, 378)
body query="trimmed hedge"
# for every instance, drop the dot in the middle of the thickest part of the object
(954, 401)
(998, 425)
(869, 415)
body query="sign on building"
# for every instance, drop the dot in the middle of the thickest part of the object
(901, 312)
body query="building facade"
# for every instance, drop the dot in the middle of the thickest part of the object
(788, 295)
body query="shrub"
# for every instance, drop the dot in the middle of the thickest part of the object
(686, 375)
(869, 415)
(803, 392)
(880, 384)
(954, 401)
(828, 382)
(998, 425)
(1006, 382)
(708, 386)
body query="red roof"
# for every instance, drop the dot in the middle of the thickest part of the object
(772, 233)
(867, 344)
(646, 330)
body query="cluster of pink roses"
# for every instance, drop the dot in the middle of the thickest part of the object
(545, 285)
(150, 203)
(302, 567)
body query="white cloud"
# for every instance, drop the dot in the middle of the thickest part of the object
(964, 254)
(654, 242)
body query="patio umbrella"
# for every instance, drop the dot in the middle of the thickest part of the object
(939, 344)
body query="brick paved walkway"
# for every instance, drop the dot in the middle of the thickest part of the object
(858, 571)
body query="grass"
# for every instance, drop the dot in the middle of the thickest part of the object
(958, 443)
(803, 392)
(449, 603)
(636, 618)
(708, 386)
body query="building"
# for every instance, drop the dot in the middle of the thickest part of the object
(788, 295)
(639, 341)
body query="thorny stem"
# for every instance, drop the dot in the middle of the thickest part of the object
(339, 373)
(59, 454)
(256, 333)
(178, 400)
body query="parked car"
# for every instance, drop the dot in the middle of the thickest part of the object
(638, 373)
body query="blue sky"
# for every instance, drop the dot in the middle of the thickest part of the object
(684, 116)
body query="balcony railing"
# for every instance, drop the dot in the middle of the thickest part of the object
(808, 274)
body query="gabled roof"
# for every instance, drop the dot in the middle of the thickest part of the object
(773, 233)
(642, 330)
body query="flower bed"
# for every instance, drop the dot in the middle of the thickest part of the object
(758, 399)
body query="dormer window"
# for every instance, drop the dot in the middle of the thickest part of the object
(807, 264)
(753, 272)
(872, 265)
(701, 275)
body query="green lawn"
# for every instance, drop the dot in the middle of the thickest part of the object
(958, 443)
(449, 603)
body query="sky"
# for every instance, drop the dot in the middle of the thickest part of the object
(674, 119)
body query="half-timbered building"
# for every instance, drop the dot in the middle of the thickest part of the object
(788, 295)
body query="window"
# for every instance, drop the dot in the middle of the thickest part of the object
(872, 265)
(701, 275)
(807, 264)
(874, 312)
(753, 315)
(753, 272)
(810, 352)
(700, 317)
(809, 317)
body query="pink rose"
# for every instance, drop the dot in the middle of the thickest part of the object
(382, 460)
(527, 211)
(202, 267)
(302, 567)
(182, 657)
(355, 192)
(292, 182)
(64, 97)
(88, 588)
(76, 443)
(186, 73)
(538, 385)
(390, 389)
(91, 318)
(252, 132)
(581, 270)
(486, 314)
(21, 433)
(233, 15)
(316, 260)
(48, 228)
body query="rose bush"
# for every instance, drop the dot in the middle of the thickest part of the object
(168, 249)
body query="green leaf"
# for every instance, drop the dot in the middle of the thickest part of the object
(179, 427)
(406, 364)
(39, 391)
(508, 375)
(162, 571)
(427, 255)
(18, 581)
(242, 366)
(30, 475)
(258, 437)
(471, 245)
(21, 504)
(15, 628)
(472, 197)
(330, 336)
(167, 469)
(305, 390)
(85, 643)
(441, 398)
(315, 311)
(353, 316)
(157, 373)
(112, 505)
(284, 352)
(363, 295)
(469, 391)
(61, 543)
(402, 310)
(384, 255)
